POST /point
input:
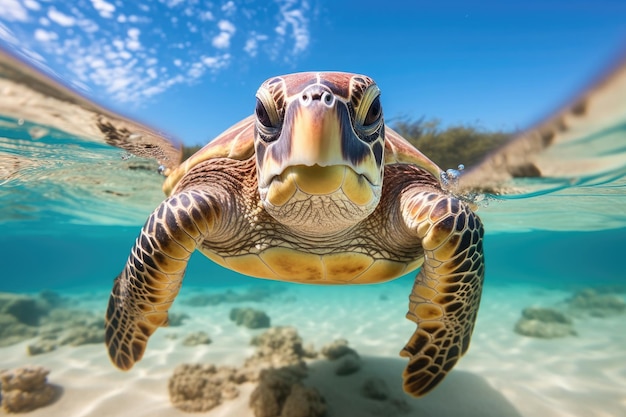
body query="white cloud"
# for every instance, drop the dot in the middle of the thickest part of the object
(88, 26)
(171, 3)
(7, 35)
(133, 33)
(296, 20)
(129, 54)
(32, 5)
(206, 15)
(229, 8)
(12, 11)
(216, 62)
(45, 36)
(222, 40)
(60, 18)
(226, 26)
(252, 43)
(132, 43)
(104, 8)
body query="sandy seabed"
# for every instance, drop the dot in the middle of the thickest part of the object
(503, 374)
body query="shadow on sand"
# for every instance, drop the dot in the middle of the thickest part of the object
(460, 394)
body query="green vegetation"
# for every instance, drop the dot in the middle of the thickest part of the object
(190, 150)
(447, 147)
(454, 145)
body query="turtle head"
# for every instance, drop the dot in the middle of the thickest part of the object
(319, 142)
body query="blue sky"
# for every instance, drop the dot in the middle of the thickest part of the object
(191, 68)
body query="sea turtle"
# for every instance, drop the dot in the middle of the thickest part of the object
(312, 188)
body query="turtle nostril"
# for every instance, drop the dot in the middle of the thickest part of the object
(328, 99)
(306, 98)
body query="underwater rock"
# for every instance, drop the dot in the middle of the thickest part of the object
(67, 327)
(590, 302)
(544, 323)
(13, 331)
(42, 345)
(197, 338)
(337, 349)
(27, 310)
(176, 319)
(83, 335)
(375, 388)
(348, 364)
(547, 315)
(199, 388)
(347, 358)
(309, 351)
(53, 299)
(280, 393)
(250, 318)
(25, 389)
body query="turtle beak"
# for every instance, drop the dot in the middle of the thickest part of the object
(317, 132)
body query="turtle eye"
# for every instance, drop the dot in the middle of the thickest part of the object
(262, 115)
(373, 113)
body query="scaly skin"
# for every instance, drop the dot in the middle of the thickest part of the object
(446, 293)
(419, 218)
(314, 189)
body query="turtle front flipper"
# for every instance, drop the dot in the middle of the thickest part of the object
(446, 294)
(144, 291)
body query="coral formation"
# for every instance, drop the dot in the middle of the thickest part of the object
(176, 319)
(593, 303)
(199, 388)
(13, 331)
(26, 309)
(277, 347)
(337, 349)
(277, 366)
(197, 338)
(250, 318)
(255, 294)
(24, 317)
(348, 361)
(25, 389)
(544, 323)
(67, 327)
(281, 394)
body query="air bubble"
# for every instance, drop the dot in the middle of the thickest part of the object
(450, 178)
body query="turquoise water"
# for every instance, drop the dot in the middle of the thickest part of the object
(70, 210)
(72, 206)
